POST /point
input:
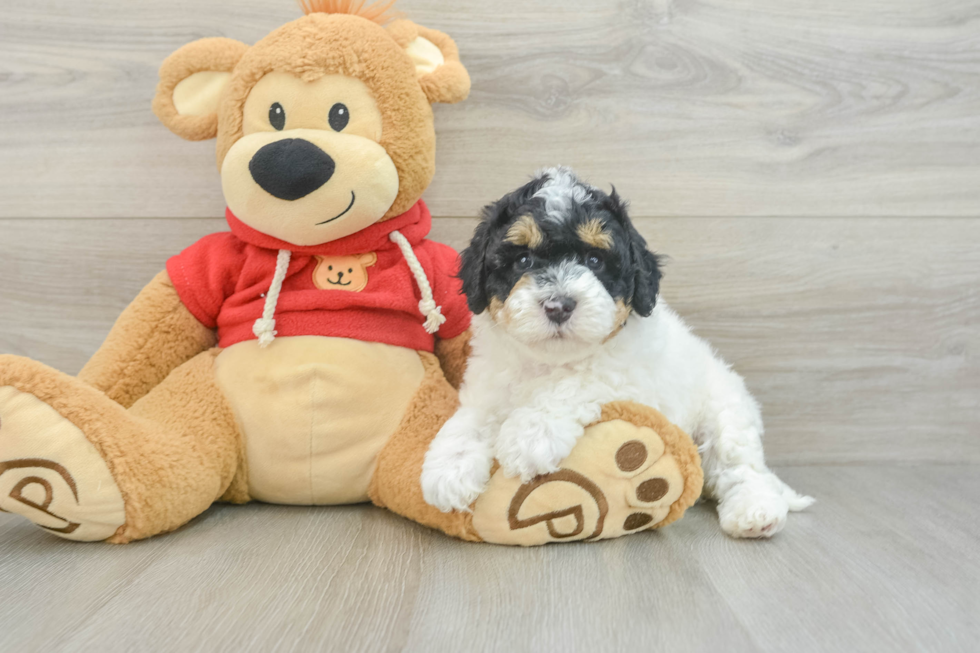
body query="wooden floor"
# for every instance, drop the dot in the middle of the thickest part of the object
(887, 560)
(811, 170)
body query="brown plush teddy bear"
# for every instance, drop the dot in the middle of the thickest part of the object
(308, 355)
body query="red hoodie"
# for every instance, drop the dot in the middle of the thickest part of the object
(223, 278)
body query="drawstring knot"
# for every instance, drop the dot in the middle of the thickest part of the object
(433, 315)
(265, 327)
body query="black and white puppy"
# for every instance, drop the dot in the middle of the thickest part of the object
(567, 318)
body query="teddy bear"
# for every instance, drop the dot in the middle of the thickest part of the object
(308, 355)
(331, 270)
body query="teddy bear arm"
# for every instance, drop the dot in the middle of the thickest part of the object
(453, 354)
(153, 336)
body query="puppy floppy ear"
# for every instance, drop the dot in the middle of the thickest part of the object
(436, 57)
(473, 265)
(192, 81)
(646, 264)
(647, 281)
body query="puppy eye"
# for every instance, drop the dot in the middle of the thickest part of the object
(524, 262)
(339, 117)
(594, 261)
(277, 116)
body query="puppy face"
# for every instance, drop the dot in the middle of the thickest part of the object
(558, 264)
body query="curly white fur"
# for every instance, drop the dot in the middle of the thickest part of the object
(528, 404)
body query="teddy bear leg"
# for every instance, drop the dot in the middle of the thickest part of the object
(396, 483)
(81, 466)
(631, 471)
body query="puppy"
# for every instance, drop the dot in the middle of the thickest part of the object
(567, 318)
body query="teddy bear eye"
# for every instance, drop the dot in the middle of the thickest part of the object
(277, 116)
(339, 117)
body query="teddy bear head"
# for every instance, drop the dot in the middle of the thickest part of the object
(323, 127)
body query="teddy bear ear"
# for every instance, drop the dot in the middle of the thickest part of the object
(192, 81)
(369, 259)
(440, 73)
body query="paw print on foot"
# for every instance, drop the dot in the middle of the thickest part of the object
(620, 478)
(654, 478)
(51, 474)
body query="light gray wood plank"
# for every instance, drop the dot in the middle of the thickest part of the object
(858, 336)
(876, 565)
(297, 579)
(643, 595)
(752, 107)
(66, 281)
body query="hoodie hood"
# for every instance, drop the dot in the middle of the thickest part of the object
(413, 224)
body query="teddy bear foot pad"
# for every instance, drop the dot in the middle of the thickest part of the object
(622, 477)
(51, 474)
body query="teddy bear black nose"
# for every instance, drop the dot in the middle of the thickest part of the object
(291, 169)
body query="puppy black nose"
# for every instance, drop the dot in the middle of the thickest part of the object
(559, 310)
(291, 169)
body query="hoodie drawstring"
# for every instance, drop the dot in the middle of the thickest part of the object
(430, 311)
(265, 327)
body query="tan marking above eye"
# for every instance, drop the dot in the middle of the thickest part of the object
(593, 234)
(525, 232)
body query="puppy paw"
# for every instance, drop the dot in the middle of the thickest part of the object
(532, 443)
(455, 473)
(753, 513)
